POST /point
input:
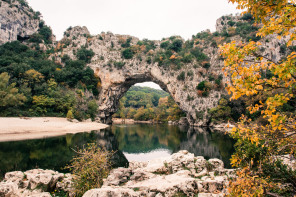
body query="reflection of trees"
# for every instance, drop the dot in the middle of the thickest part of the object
(203, 142)
(200, 141)
(144, 138)
(53, 153)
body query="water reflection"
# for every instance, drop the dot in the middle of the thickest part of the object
(143, 142)
(53, 153)
(138, 142)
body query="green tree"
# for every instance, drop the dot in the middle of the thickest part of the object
(9, 94)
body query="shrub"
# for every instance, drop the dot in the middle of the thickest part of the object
(187, 58)
(46, 33)
(206, 65)
(119, 65)
(90, 166)
(176, 45)
(149, 60)
(70, 115)
(85, 55)
(127, 43)
(231, 23)
(127, 53)
(181, 76)
(92, 109)
(165, 44)
(198, 54)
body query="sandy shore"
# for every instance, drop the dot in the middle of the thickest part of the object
(15, 129)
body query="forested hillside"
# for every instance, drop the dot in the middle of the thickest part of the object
(144, 103)
(33, 85)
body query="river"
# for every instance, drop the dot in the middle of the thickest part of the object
(138, 142)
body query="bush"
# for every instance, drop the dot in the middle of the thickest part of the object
(127, 53)
(230, 23)
(181, 76)
(119, 65)
(198, 54)
(92, 109)
(70, 115)
(165, 44)
(90, 166)
(187, 58)
(46, 33)
(176, 45)
(85, 55)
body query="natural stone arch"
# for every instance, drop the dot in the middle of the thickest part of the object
(116, 80)
(110, 95)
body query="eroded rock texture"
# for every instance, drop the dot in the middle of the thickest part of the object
(181, 174)
(118, 74)
(17, 21)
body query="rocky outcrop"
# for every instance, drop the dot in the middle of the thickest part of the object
(17, 21)
(181, 173)
(35, 183)
(117, 74)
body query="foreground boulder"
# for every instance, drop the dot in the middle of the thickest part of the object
(37, 182)
(180, 174)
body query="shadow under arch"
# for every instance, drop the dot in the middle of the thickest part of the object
(109, 97)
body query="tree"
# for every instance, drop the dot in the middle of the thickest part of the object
(9, 95)
(247, 68)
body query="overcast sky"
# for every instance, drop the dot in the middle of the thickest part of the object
(152, 19)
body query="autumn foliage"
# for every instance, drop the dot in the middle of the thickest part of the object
(247, 68)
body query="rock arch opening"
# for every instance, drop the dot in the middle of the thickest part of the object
(109, 99)
(147, 102)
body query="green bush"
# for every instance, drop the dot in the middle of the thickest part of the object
(92, 109)
(187, 58)
(127, 43)
(231, 23)
(89, 167)
(46, 34)
(201, 86)
(127, 53)
(85, 55)
(181, 76)
(119, 65)
(165, 44)
(176, 45)
(198, 54)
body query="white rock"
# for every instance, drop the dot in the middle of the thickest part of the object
(111, 191)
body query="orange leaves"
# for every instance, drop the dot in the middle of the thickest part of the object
(273, 84)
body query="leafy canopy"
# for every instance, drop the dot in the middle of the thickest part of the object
(246, 67)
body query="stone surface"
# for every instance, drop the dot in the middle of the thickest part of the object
(35, 183)
(116, 81)
(17, 21)
(180, 173)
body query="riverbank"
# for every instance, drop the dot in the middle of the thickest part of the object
(129, 121)
(16, 129)
(181, 174)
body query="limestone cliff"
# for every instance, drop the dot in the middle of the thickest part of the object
(118, 74)
(17, 20)
(177, 75)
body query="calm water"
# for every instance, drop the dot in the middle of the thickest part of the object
(133, 142)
